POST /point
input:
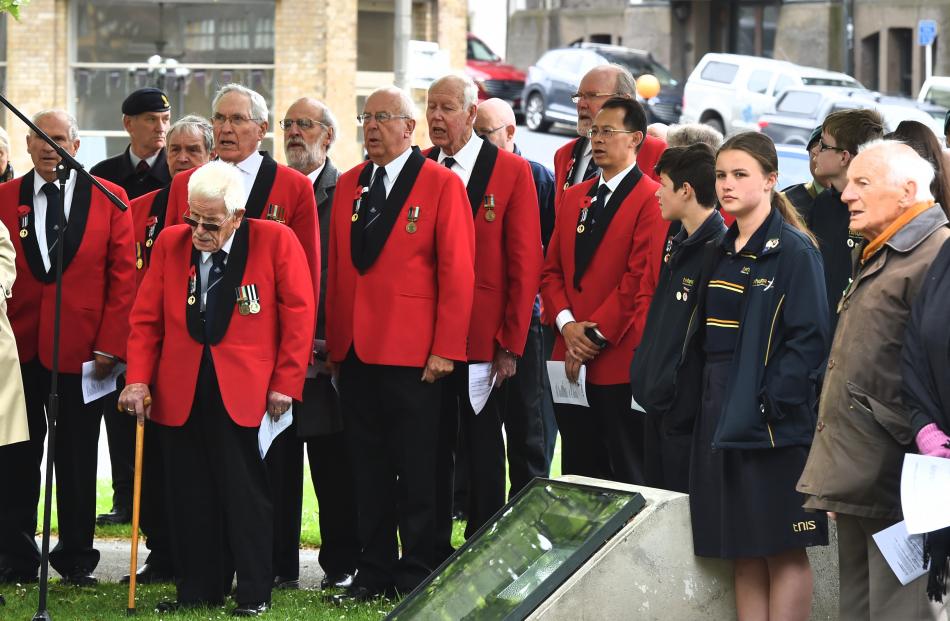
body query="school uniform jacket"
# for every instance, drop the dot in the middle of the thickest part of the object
(98, 276)
(148, 220)
(275, 184)
(415, 299)
(508, 251)
(616, 287)
(564, 158)
(252, 353)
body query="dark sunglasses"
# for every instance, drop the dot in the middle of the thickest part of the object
(211, 227)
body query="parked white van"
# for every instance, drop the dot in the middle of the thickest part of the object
(730, 91)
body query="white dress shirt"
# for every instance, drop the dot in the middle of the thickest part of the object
(41, 209)
(580, 167)
(465, 158)
(393, 169)
(249, 169)
(316, 174)
(204, 266)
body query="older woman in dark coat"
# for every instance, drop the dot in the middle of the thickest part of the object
(925, 369)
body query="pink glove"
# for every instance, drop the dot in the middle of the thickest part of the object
(933, 442)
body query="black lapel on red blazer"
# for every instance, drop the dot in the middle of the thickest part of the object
(31, 248)
(233, 273)
(375, 237)
(157, 211)
(78, 216)
(193, 311)
(577, 152)
(586, 243)
(356, 227)
(260, 191)
(481, 174)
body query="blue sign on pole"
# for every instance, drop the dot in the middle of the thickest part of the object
(926, 32)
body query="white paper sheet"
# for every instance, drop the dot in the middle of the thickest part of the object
(636, 407)
(904, 553)
(271, 429)
(480, 384)
(924, 501)
(93, 388)
(562, 389)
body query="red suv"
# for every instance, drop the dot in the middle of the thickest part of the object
(493, 77)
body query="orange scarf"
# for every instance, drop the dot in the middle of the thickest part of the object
(878, 242)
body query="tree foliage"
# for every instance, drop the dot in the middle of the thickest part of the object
(13, 7)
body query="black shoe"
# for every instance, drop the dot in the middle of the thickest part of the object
(250, 610)
(11, 576)
(80, 579)
(149, 574)
(116, 516)
(359, 593)
(337, 581)
(290, 584)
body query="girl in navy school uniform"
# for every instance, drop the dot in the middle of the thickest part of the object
(764, 335)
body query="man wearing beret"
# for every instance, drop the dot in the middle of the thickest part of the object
(140, 169)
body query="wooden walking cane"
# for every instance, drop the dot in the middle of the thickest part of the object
(136, 505)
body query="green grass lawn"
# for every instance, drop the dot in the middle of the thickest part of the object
(109, 601)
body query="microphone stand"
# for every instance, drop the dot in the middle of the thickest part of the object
(66, 165)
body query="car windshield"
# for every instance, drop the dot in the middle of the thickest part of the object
(639, 65)
(939, 95)
(479, 51)
(830, 81)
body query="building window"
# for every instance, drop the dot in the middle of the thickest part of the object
(189, 48)
(754, 29)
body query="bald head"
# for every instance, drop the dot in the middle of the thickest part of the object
(495, 122)
(597, 86)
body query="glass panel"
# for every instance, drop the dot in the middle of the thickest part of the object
(769, 21)
(477, 50)
(799, 102)
(720, 72)
(939, 95)
(511, 558)
(129, 31)
(759, 81)
(99, 92)
(745, 30)
(374, 31)
(783, 83)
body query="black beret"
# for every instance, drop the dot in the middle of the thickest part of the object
(145, 100)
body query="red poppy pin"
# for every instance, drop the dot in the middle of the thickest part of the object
(152, 221)
(359, 192)
(585, 204)
(24, 210)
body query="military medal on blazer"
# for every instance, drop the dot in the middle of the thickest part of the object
(139, 262)
(413, 217)
(249, 303)
(276, 213)
(478, 181)
(192, 285)
(24, 211)
(589, 238)
(489, 204)
(361, 192)
(582, 216)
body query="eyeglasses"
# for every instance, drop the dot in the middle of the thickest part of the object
(211, 227)
(236, 120)
(301, 123)
(488, 132)
(576, 97)
(827, 147)
(381, 117)
(607, 132)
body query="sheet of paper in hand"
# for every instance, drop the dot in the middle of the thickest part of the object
(564, 390)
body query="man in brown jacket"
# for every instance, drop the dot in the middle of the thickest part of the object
(863, 432)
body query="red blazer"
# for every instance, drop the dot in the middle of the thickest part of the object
(258, 352)
(275, 184)
(650, 151)
(416, 299)
(508, 253)
(617, 286)
(144, 209)
(98, 277)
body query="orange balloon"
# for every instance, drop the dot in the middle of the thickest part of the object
(648, 86)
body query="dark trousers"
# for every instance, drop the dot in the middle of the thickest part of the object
(219, 509)
(547, 403)
(333, 485)
(665, 455)
(76, 450)
(120, 434)
(154, 522)
(391, 423)
(524, 417)
(604, 441)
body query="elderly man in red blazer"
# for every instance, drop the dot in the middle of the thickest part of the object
(597, 286)
(508, 257)
(221, 335)
(574, 162)
(271, 191)
(98, 289)
(398, 303)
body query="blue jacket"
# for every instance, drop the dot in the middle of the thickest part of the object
(784, 336)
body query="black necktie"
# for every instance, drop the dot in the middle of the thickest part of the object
(591, 169)
(377, 196)
(142, 168)
(52, 219)
(449, 162)
(214, 278)
(600, 204)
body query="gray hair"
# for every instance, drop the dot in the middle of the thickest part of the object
(469, 90)
(258, 104)
(196, 125)
(406, 105)
(218, 180)
(626, 83)
(73, 124)
(693, 133)
(326, 117)
(903, 164)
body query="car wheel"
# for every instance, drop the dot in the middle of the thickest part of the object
(716, 124)
(534, 114)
